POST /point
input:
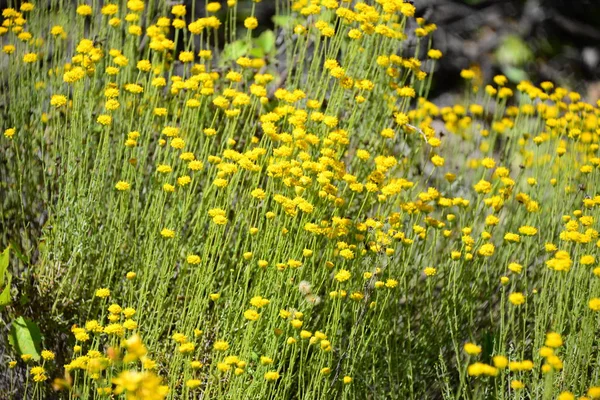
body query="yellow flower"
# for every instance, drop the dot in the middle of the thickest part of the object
(546, 352)
(391, 283)
(486, 250)
(594, 392)
(354, 34)
(122, 185)
(109, 9)
(84, 10)
(271, 376)
(26, 7)
(467, 74)
(259, 301)
(483, 186)
(9, 49)
(37, 370)
(186, 348)
(30, 58)
(134, 88)
(266, 360)
(114, 329)
(516, 298)
(193, 259)
(114, 309)
(250, 23)
(193, 383)
(342, 275)
(587, 260)
(500, 361)
(251, 315)
(167, 233)
(178, 10)
(164, 169)
(223, 367)
(135, 30)
(296, 323)
(213, 7)
(130, 324)
(184, 180)
(437, 161)
(179, 337)
(401, 119)
(566, 396)
(192, 103)
(102, 293)
(512, 237)
(594, 304)
(528, 230)
(516, 384)
(220, 220)
(135, 384)
(221, 345)
(472, 349)
(347, 254)
(478, 369)
(9, 133)
(553, 340)
(58, 100)
(104, 119)
(186, 56)
(220, 182)
(515, 267)
(196, 364)
(144, 65)
(434, 54)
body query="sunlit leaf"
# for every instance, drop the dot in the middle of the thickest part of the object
(25, 337)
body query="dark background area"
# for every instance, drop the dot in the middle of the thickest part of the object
(537, 40)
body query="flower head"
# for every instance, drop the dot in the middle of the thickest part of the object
(342, 275)
(122, 186)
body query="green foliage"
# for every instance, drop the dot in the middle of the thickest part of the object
(513, 54)
(5, 278)
(25, 337)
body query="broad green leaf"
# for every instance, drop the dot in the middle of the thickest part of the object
(24, 299)
(513, 51)
(42, 246)
(5, 298)
(5, 278)
(515, 74)
(257, 52)
(235, 50)
(18, 253)
(3, 265)
(25, 337)
(285, 21)
(266, 41)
